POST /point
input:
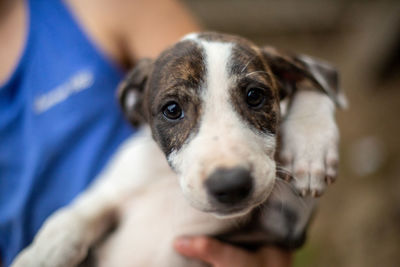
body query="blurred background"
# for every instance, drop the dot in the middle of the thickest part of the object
(358, 222)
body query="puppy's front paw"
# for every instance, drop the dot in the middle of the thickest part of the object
(61, 242)
(309, 152)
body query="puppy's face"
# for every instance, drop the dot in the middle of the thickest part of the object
(212, 102)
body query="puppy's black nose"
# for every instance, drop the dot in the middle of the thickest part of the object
(229, 186)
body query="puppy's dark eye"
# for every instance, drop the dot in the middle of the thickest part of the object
(255, 97)
(172, 111)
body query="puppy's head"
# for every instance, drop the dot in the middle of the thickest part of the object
(212, 103)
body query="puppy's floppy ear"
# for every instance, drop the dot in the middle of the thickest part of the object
(290, 70)
(131, 92)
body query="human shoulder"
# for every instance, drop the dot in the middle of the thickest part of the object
(98, 18)
(136, 28)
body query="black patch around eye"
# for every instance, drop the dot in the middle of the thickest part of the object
(255, 94)
(172, 111)
(255, 97)
(256, 103)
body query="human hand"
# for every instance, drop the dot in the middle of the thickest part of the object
(219, 254)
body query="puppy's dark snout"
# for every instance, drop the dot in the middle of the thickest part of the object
(229, 186)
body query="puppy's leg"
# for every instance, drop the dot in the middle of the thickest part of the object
(66, 236)
(310, 142)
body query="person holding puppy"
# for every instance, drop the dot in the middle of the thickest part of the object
(59, 120)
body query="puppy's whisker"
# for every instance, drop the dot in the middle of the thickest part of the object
(282, 200)
(247, 64)
(286, 182)
(281, 170)
(295, 192)
(263, 208)
(285, 172)
(257, 71)
(281, 167)
(279, 192)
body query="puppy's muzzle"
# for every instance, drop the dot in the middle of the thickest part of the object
(229, 188)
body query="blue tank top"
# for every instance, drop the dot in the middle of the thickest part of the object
(59, 123)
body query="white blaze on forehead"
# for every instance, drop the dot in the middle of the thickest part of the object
(215, 94)
(217, 109)
(219, 118)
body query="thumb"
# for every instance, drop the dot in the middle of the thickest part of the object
(212, 251)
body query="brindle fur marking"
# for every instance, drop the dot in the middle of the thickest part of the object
(250, 71)
(179, 71)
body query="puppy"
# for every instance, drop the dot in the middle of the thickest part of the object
(211, 115)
